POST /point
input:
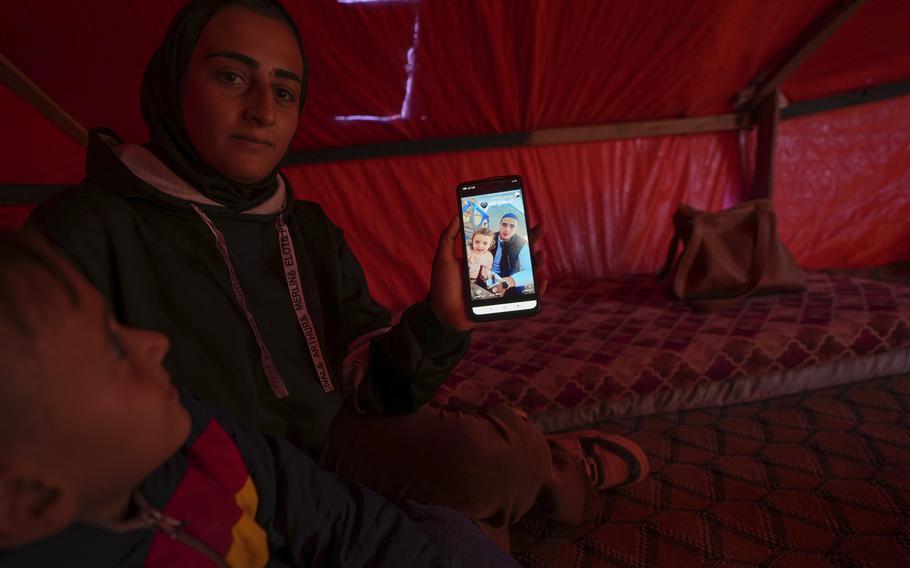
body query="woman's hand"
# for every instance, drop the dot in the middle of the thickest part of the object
(447, 294)
(539, 258)
(447, 281)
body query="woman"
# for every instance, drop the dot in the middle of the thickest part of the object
(196, 234)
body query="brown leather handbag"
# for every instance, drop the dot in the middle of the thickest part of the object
(728, 256)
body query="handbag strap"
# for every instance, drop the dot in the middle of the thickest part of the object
(671, 256)
(673, 249)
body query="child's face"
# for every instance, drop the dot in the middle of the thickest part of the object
(110, 414)
(481, 243)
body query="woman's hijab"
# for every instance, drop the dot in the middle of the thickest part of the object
(163, 114)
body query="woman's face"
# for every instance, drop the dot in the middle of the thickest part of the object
(241, 94)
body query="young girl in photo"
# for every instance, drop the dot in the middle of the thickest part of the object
(480, 259)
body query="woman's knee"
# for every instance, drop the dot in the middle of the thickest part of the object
(507, 442)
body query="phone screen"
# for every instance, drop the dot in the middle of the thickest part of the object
(498, 263)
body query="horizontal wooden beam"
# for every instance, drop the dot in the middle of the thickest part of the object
(862, 96)
(618, 131)
(405, 148)
(547, 136)
(22, 85)
(25, 194)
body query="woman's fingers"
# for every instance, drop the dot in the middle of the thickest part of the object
(542, 288)
(540, 270)
(444, 250)
(538, 232)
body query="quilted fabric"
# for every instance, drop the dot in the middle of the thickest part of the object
(627, 343)
(816, 479)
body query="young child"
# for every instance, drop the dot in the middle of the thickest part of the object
(104, 463)
(480, 259)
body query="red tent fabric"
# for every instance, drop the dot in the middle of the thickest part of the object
(388, 71)
(35, 151)
(475, 68)
(842, 188)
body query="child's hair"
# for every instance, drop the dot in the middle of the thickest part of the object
(483, 231)
(17, 326)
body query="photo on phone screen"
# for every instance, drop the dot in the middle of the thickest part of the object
(498, 263)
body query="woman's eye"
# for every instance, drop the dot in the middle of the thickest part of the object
(230, 78)
(284, 95)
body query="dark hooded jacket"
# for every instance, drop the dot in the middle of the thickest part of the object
(155, 260)
(133, 228)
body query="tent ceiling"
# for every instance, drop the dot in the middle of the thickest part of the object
(404, 70)
(510, 68)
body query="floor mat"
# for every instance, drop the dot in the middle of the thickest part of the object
(816, 479)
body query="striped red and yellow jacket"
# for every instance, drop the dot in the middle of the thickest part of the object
(233, 497)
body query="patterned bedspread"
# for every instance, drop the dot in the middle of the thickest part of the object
(820, 478)
(610, 348)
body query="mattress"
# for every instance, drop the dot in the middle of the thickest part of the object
(819, 478)
(604, 349)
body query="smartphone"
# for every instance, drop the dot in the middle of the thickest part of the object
(498, 267)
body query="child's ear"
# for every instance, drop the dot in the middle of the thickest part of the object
(32, 506)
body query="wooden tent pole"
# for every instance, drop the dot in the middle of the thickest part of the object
(766, 117)
(759, 103)
(805, 45)
(22, 85)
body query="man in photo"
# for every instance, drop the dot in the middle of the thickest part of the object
(511, 257)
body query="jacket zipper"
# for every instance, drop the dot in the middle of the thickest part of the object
(154, 519)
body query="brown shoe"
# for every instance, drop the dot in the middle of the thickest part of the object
(610, 459)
